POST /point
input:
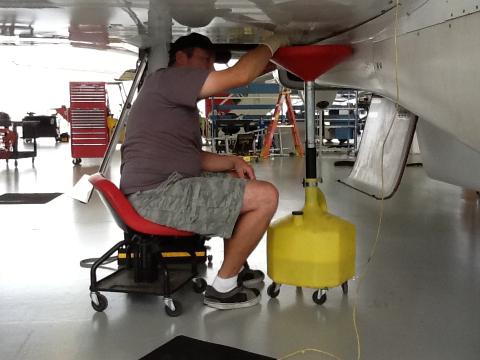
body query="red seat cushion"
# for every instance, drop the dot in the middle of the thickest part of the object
(125, 211)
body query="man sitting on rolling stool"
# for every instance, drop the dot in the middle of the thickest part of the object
(171, 181)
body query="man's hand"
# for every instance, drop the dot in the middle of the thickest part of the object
(242, 169)
(276, 41)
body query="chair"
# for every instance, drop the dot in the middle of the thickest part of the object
(147, 248)
(244, 144)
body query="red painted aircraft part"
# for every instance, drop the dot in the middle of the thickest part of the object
(310, 61)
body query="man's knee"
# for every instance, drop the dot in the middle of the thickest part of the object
(271, 193)
(260, 194)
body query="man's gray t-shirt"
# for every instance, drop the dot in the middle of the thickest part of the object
(163, 130)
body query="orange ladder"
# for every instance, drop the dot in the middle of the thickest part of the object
(283, 97)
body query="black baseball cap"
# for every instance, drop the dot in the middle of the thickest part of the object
(196, 40)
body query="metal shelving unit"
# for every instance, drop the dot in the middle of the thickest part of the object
(222, 114)
(343, 121)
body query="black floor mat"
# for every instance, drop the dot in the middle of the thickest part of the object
(186, 348)
(27, 198)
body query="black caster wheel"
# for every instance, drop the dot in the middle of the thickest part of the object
(173, 308)
(199, 285)
(319, 297)
(345, 288)
(15, 163)
(210, 258)
(102, 302)
(273, 290)
(76, 161)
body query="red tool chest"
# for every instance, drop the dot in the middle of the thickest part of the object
(88, 120)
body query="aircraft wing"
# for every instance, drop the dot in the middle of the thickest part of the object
(100, 22)
(423, 54)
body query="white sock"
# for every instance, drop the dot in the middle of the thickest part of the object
(225, 285)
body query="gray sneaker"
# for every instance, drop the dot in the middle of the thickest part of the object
(239, 297)
(249, 277)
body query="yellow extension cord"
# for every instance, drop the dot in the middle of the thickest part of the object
(380, 218)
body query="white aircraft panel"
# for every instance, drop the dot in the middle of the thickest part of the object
(383, 151)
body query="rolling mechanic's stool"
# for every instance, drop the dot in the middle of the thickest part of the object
(311, 248)
(146, 248)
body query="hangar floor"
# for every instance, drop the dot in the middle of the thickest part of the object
(419, 299)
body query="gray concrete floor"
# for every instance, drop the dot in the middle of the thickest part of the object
(418, 300)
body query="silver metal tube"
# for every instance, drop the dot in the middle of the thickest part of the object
(310, 113)
(159, 34)
(122, 121)
(311, 150)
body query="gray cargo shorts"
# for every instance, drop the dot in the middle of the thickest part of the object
(209, 204)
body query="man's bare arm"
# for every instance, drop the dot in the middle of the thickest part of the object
(222, 163)
(247, 69)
